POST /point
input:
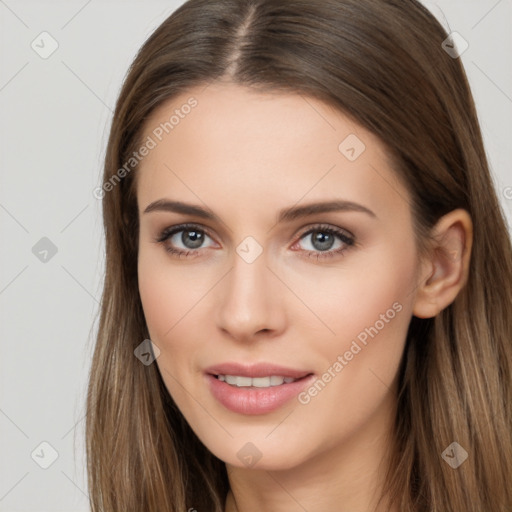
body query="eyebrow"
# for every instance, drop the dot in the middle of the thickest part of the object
(285, 215)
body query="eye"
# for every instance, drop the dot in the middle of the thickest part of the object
(322, 241)
(183, 240)
(326, 241)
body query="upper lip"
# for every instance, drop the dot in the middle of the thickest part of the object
(256, 370)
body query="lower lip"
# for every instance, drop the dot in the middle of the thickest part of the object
(251, 400)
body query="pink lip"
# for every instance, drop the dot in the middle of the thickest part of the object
(256, 370)
(252, 400)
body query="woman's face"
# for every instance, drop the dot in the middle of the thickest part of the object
(264, 284)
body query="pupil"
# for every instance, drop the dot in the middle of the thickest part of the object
(323, 241)
(195, 239)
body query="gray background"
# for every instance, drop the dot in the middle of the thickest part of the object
(54, 120)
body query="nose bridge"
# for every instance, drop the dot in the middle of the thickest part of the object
(249, 300)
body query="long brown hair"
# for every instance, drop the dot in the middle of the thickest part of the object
(382, 63)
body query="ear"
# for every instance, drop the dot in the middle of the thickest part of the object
(447, 264)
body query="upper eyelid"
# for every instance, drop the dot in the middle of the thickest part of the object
(172, 230)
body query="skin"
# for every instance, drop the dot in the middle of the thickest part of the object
(246, 155)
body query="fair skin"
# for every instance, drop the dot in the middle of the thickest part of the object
(245, 156)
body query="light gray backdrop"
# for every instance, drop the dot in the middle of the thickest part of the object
(55, 113)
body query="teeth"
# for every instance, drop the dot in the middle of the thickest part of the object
(238, 381)
(261, 382)
(257, 382)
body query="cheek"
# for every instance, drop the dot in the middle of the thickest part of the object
(369, 307)
(167, 293)
(157, 302)
(162, 302)
(172, 302)
(369, 290)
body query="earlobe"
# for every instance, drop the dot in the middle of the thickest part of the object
(446, 268)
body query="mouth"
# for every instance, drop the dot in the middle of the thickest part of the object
(256, 389)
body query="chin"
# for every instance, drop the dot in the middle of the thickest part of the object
(241, 452)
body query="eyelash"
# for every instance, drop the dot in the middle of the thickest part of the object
(348, 240)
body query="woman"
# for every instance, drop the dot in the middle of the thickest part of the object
(307, 295)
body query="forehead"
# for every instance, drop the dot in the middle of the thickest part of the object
(231, 145)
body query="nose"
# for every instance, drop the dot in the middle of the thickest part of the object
(251, 301)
